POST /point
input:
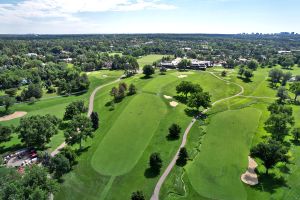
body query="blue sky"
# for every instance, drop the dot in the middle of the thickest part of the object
(148, 16)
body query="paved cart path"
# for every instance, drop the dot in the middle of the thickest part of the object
(90, 110)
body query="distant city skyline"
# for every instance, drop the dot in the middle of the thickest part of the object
(148, 16)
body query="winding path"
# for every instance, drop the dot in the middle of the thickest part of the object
(155, 195)
(90, 110)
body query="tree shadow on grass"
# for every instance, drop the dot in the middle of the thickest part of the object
(11, 148)
(181, 162)
(191, 112)
(150, 173)
(172, 138)
(284, 169)
(82, 150)
(146, 77)
(245, 80)
(181, 99)
(269, 183)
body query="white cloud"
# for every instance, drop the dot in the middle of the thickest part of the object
(32, 9)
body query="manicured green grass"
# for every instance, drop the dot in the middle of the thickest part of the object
(55, 106)
(216, 170)
(107, 153)
(149, 59)
(129, 136)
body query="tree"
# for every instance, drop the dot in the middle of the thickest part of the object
(79, 129)
(114, 92)
(59, 165)
(295, 89)
(270, 153)
(248, 73)
(34, 90)
(36, 131)
(275, 76)
(70, 154)
(174, 131)
(73, 109)
(148, 70)
(296, 133)
(276, 108)
(155, 162)
(282, 94)
(253, 65)
(241, 71)
(162, 70)
(285, 77)
(187, 87)
(199, 99)
(11, 92)
(278, 125)
(132, 89)
(37, 177)
(224, 73)
(183, 64)
(5, 133)
(138, 195)
(95, 120)
(8, 102)
(182, 157)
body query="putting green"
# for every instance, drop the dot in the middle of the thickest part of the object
(129, 135)
(215, 172)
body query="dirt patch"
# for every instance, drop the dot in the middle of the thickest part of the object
(13, 116)
(182, 76)
(173, 103)
(250, 177)
(167, 97)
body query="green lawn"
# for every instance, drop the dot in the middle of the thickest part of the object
(55, 106)
(117, 159)
(215, 172)
(129, 136)
(149, 59)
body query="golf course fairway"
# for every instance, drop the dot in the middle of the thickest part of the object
(129, 136)
(215, 172)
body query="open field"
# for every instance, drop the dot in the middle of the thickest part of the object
(149, 59)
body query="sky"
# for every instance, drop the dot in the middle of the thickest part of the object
(148, 16)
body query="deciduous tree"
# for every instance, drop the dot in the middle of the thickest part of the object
(270, 153)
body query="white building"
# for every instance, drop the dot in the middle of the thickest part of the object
(171, 64)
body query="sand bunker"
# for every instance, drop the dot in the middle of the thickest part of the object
(173, 103)
(182, 76)
(250, 177)
(12, 116)
(167, 97)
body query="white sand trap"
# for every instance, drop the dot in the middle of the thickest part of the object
(173, 103)
(167, 97)
(182, 76)
(250, 177)
(13, 116)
